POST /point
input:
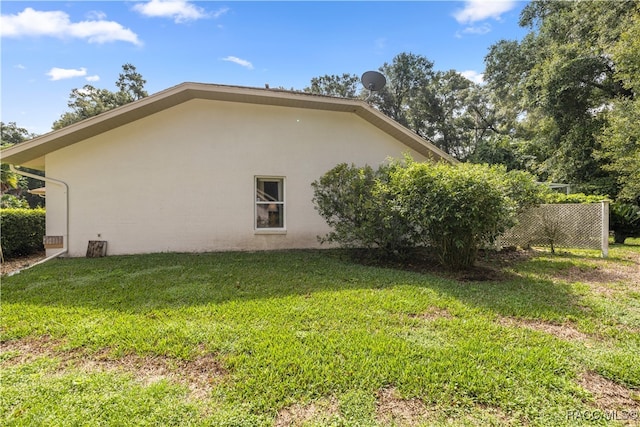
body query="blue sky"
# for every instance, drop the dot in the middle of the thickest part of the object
(51, 47)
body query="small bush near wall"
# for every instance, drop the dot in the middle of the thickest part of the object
(22, 231)
(358, 205)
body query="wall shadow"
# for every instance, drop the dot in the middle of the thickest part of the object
(139, 284)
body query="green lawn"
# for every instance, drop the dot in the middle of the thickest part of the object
(312, 338)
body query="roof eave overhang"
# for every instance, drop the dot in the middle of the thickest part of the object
(32, 153)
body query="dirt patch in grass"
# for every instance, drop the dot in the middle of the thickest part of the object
(609, 395)
(565, 331)
(591, 274)
(393, 410)
(602, 272)
(16, 264)
(200, 374)
(26, 350)
(298, 415)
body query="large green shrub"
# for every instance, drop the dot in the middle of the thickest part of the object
(624, 221)
(357, 204)
(453, 209)
(22, 231)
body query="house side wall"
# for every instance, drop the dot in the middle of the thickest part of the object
(183, 179)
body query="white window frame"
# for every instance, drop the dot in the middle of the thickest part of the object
(258, 202)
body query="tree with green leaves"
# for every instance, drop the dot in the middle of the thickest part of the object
(13, 187)
(443, 107)
(450, 113)
(344, 86)
(407, 77)
(620, 140)
(90, 101)
(11, 134)
(556, 85)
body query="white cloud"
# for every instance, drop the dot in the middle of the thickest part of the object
(479, 10)
(477, 30)
(102, 32)
(218, 13)
(474, 76)
(34, 23)
(93, 78)
(239, 61)
(66, 73)
(180, 10)
(96, 15)
(20, 67)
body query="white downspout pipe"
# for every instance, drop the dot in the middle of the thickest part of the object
(65, 240)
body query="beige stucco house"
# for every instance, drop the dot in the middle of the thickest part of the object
(202, 167)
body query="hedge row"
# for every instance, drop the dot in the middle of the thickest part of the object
(22, 231)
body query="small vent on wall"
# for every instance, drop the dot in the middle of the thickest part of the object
(53, 242)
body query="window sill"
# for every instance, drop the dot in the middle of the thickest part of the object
(269, 231)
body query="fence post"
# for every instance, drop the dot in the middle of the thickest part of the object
(605, 229)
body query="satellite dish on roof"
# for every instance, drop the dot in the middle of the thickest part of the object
(373, 80)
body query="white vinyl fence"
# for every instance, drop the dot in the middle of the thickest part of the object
(569, 225)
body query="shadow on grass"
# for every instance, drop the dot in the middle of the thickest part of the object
(142, 283)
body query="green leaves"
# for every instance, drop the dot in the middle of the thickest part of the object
(625, 221)
(563, 85)
(345, 86)
(453, 209)
(90, 101)
(22, 231)
(620, 140)
(357, 203)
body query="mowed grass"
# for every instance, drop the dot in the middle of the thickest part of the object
(313, 338)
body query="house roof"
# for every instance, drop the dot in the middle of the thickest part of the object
(31, 153)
